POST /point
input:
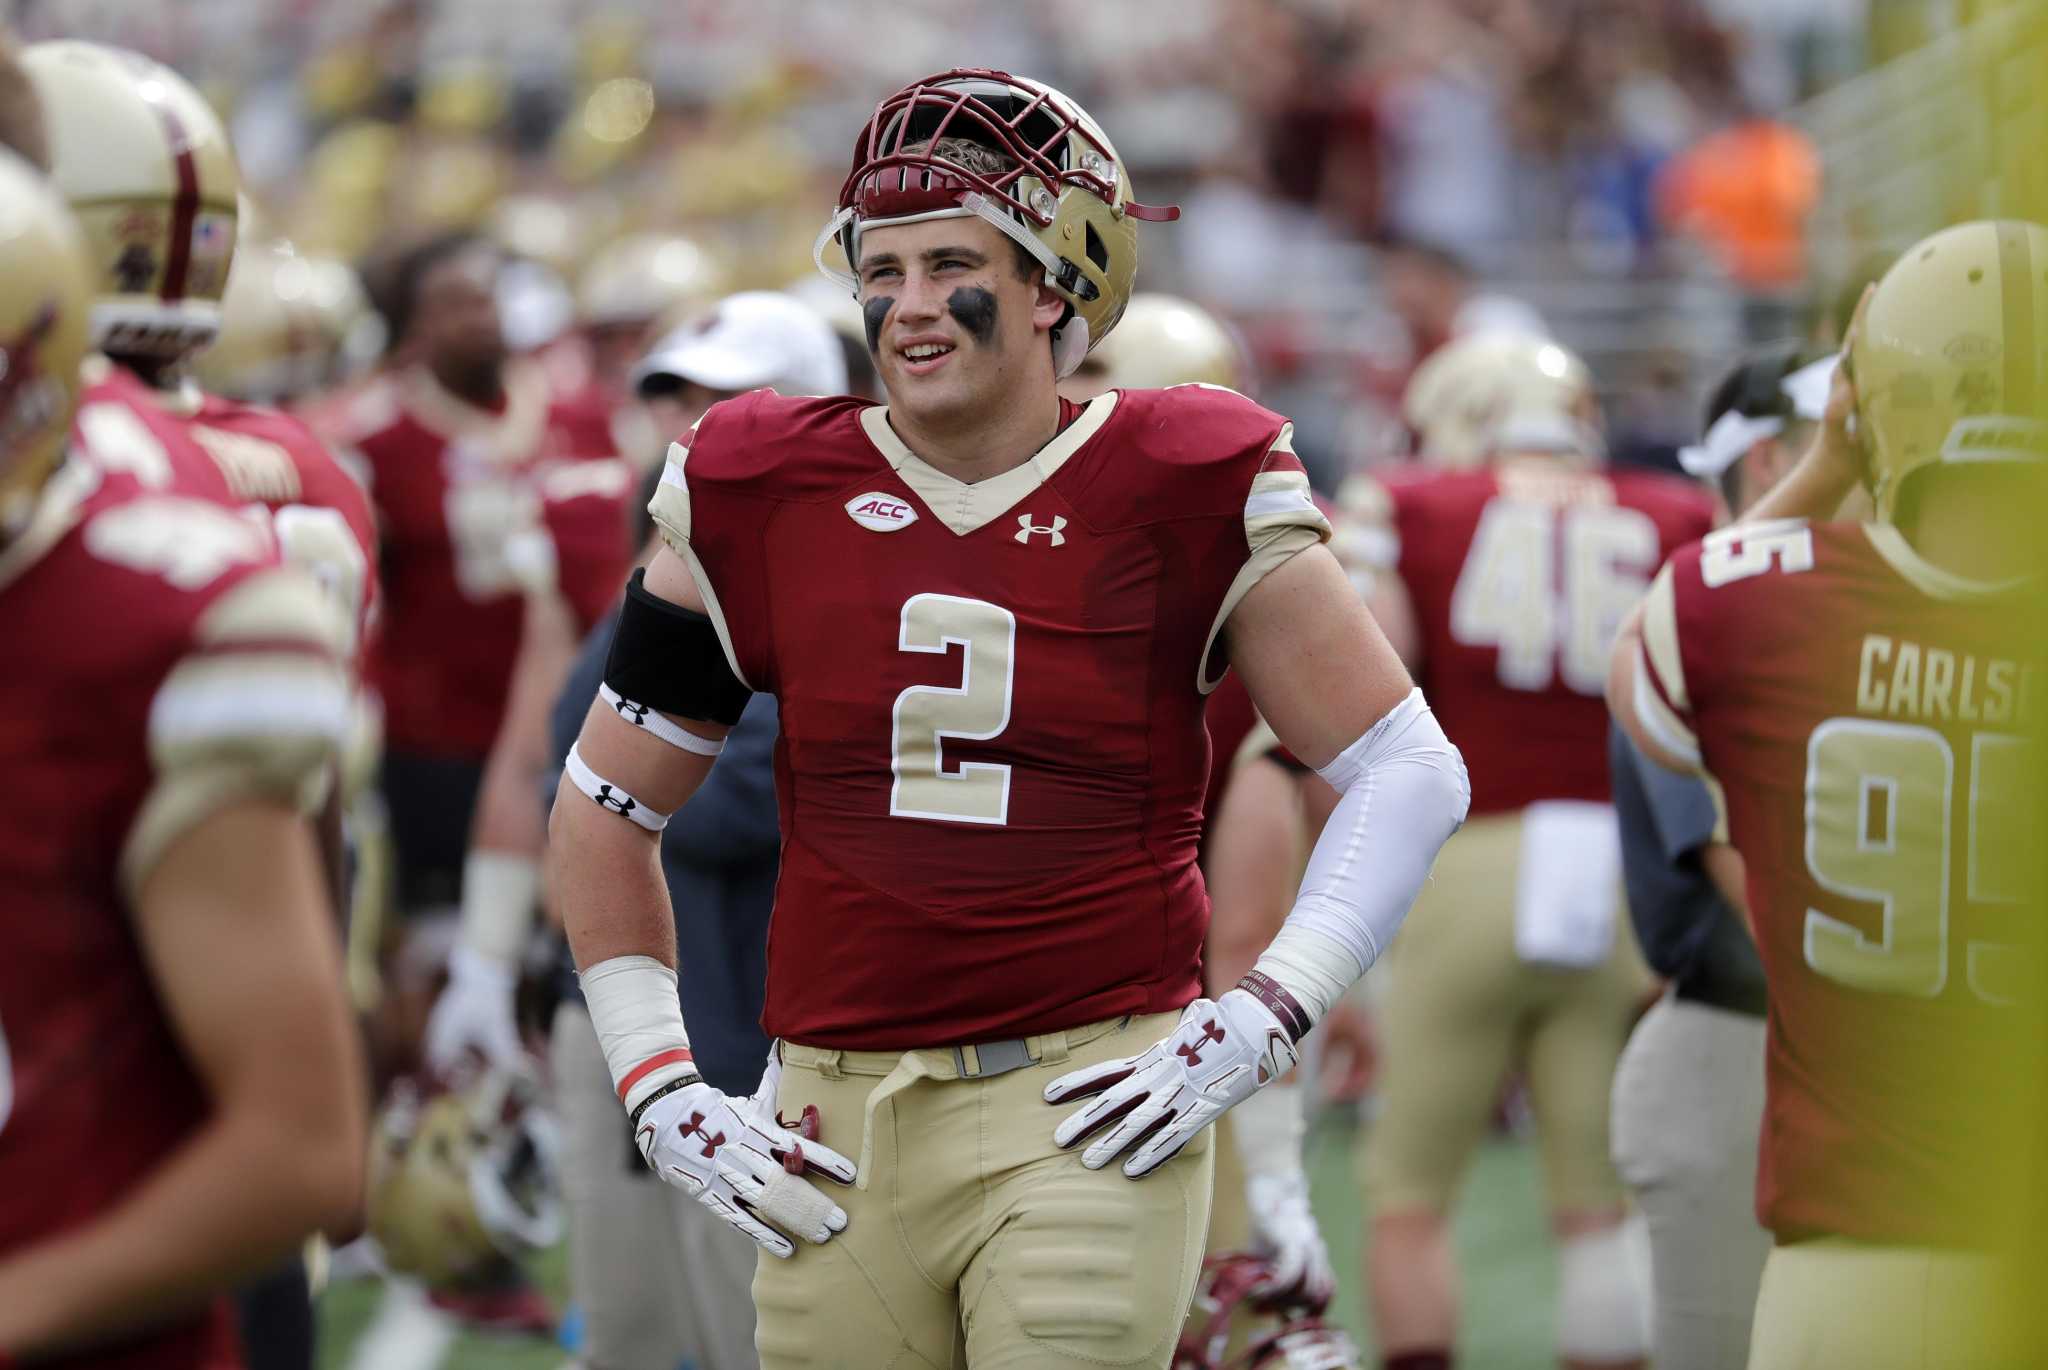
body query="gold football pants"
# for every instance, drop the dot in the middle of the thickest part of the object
(971, 1240)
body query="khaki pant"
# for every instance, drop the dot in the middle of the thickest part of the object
(1841, 1305)
(1461, 1008)
(660, 1278)
(971, 1240)
(1688, 1106)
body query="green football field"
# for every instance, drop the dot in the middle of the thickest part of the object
(1502, 1247)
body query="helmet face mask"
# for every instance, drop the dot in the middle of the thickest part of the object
(1052, 182)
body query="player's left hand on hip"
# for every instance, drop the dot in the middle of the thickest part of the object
(1284, 1230)
(1222, 1051)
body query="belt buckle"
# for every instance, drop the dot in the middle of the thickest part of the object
(993, 1058)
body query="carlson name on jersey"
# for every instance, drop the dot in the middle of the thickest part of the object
(169, 663)
(1872, 723)
(1520, 576)
(992, 757)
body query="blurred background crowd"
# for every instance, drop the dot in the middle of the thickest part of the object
(1361, 177)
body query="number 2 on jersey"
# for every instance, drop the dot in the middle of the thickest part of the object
(975, 710)
(1511, 596)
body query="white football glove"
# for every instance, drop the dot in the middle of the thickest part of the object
(1222, 1051)
(474, 1017)
(1284, 1231)
(736, 1158)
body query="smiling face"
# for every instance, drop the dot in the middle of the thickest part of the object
(956, 327)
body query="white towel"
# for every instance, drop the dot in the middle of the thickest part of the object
(1567, 890)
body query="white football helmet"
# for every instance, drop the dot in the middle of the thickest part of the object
(1502, 392)
(148, 170)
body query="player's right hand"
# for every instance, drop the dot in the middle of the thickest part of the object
(736, 1158)
(474, 1018)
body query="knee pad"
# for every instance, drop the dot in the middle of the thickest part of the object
(1604, 1294)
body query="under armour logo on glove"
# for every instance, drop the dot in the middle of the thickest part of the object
(738, 1160)
(1025, 528)
(712, 1141)
(1192, 1050)
(606, 799)
(1219, 1054)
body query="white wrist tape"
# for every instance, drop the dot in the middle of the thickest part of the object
(639, 1024)
(608, 796)
(1269, 1127)
(1403, 792)
(640, 716)
(499, 891)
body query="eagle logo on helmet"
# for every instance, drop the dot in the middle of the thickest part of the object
(28, 398)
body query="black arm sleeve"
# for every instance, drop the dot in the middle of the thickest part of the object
(671, 660)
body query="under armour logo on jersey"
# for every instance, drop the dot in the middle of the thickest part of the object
(1192, 1051)
(606, 799)
(1025, 528)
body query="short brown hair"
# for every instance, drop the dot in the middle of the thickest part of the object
(982, 160)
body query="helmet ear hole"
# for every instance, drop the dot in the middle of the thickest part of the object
(1098, 251)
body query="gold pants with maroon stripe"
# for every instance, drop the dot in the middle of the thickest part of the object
(971, 1240)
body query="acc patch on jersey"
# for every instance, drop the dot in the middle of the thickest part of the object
(883, 513)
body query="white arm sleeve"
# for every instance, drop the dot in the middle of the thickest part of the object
(1403, 792)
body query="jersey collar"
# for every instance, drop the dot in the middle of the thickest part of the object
(963, 507)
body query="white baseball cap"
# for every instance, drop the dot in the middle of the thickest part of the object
(748, 340)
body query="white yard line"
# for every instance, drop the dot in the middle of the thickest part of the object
(406, 1334)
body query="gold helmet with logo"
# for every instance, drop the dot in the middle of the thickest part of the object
(1952, 361)
(147, 168)
(45, 308)
(462, 1179)
(1493, 392)
(1166, 340)
(1020, 155)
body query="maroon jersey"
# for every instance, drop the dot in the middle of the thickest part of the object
(466, 533)
(992, 755)
(244, 455)
(1520, 575)
(165, 662)
(1863, 712)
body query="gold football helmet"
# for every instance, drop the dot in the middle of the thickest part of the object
(1950, 366)
(45, 308)
(1055, 185)
(1165, 340)
(146, 165)
(1502, 392)
(263, 352)
(647, 276)
(460, 1180)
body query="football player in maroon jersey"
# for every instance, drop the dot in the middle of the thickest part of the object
(181, 1091)
(1506, 566)
(462, 443)
(1868, 698)
(990, 617)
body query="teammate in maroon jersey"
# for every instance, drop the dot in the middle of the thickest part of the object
(990, 617)
(180, 1088)
(1503, 580)
(462, 444)
(1868, 698)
